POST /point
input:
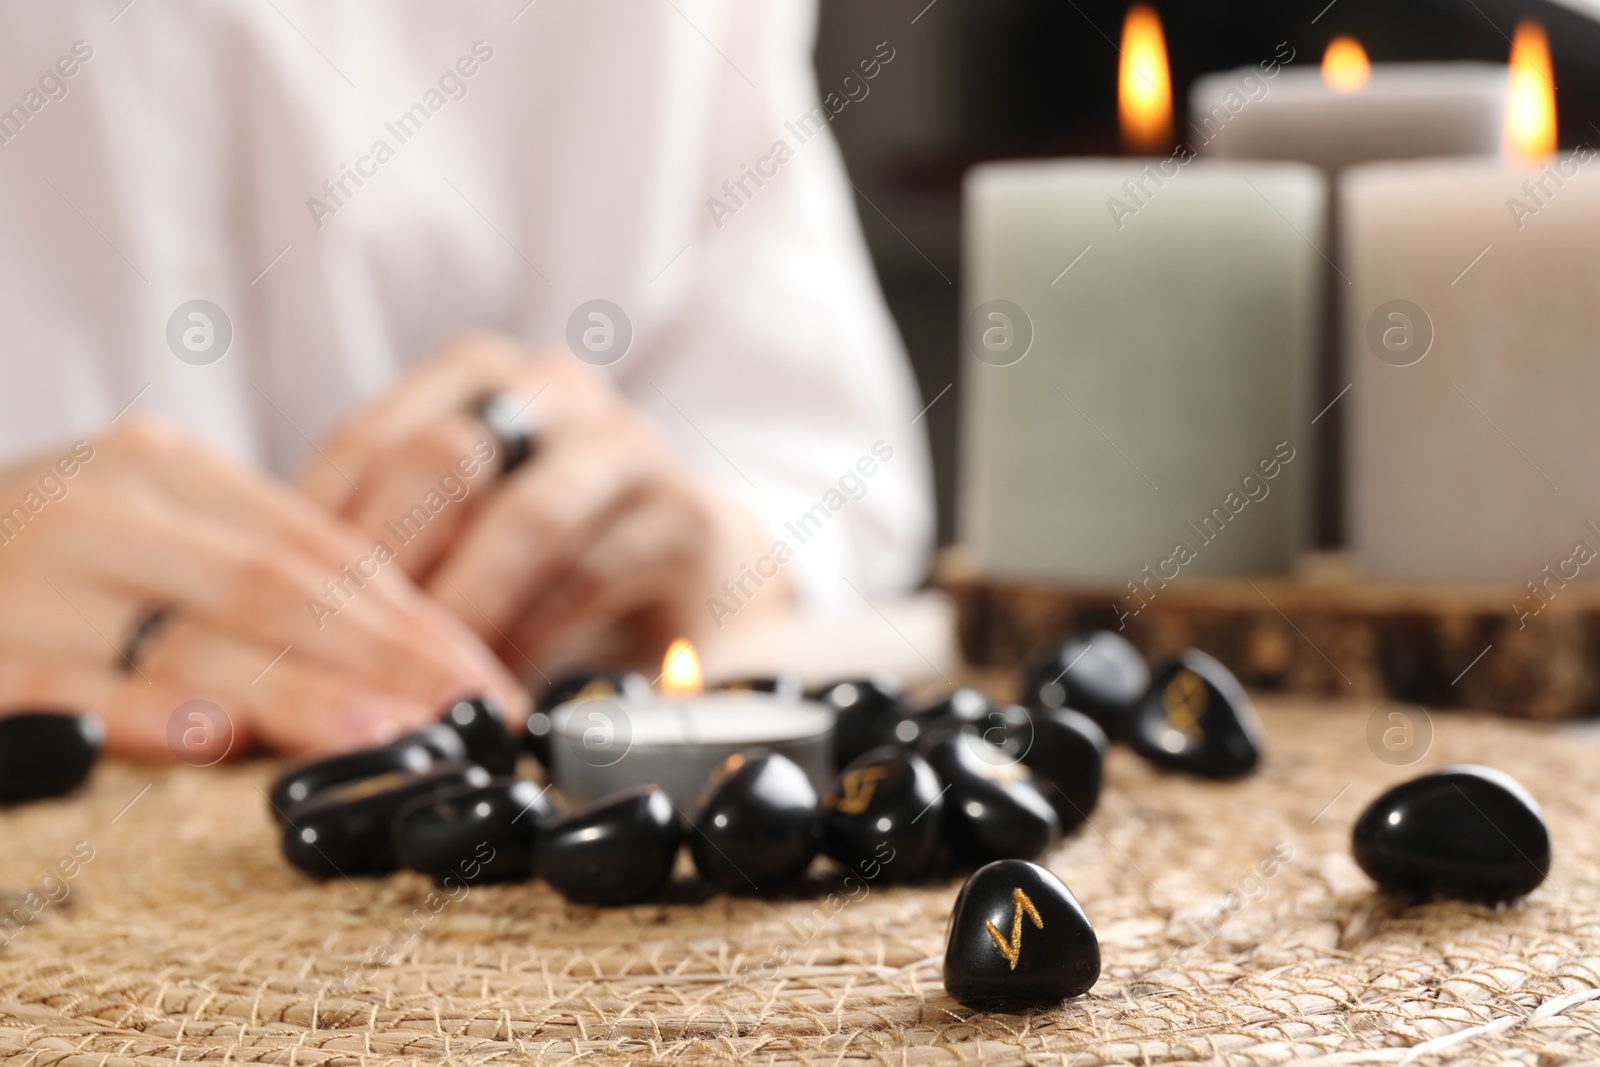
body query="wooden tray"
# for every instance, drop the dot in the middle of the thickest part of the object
(1327, 634)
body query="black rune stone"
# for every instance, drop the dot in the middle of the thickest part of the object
(439, 739)
(345, 830)
(1196, 718)
(758, 826)
(881, 816)
(1099, 674)
(919, 728)
(482, 727)
(46, 753)
(1018, 938)
(860, 706)
(473, 833)
(1066, 751)
(1464, 832)
(619, 851)
(302, 781)
(993, 808)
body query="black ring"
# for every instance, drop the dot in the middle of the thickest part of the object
(141, 631)
(509, 419)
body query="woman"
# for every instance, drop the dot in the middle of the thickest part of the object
(362, 355)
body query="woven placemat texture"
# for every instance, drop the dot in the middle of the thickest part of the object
(185, 938)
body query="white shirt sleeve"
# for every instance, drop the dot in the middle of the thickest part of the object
(782, 375)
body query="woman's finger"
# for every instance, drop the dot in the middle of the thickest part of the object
(441, 388)
(136, 712)
(62, 616)
(422, 498)
(290, 701)
(197, 479)
(248, 585)
(519, 544)
(285, 698)
(202, 481)
(289, 698)
(646, 556)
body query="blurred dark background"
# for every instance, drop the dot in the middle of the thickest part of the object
(975, 80)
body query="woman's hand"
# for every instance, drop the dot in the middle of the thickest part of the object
(602, 546)
(278, 612)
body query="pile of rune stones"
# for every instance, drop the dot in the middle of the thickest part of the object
(965, 785)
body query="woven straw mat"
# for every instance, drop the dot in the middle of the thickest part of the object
(187, 939)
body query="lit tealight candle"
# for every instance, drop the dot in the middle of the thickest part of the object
(676, 738)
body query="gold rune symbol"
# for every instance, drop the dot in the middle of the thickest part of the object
(1185, 703)
(1013, 948)
(858, 789)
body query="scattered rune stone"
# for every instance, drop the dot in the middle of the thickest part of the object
(1196, 718)
(1463, 832)
(1018, 938)
(882, 815)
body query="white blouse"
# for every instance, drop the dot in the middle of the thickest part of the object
(351, 182)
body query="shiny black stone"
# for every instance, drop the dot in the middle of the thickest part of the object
(536, 736)
(993, 808)
(619, 851)
(473, 833)
(1018, 938)
(46, 753)
(1008, 727)
(1196, 718)
(758, 825)
(1464, 832)
(860, 706)
(481, 724)
(1099, 674)
(302, 781)
(441, 740)
(786, 686)
(344, 830)
(577, 685)
(1066, 751)
(916, 728)
(882, 814)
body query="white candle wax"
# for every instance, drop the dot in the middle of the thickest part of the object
(1476, 463)
(1172, 329)
(1406, 111)
(602, 745)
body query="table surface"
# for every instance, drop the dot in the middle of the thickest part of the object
(186, 938)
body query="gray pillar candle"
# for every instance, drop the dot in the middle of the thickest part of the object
(1136, 375)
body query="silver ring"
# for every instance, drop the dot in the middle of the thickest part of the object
(510, 421)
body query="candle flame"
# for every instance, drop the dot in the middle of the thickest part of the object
(680, 670)
(1345, 67)
(1144, 84)
(1530, 131)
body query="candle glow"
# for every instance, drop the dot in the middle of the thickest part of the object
(1144, 85)
(1345, 67)
(1530, 130)
(680, 670)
